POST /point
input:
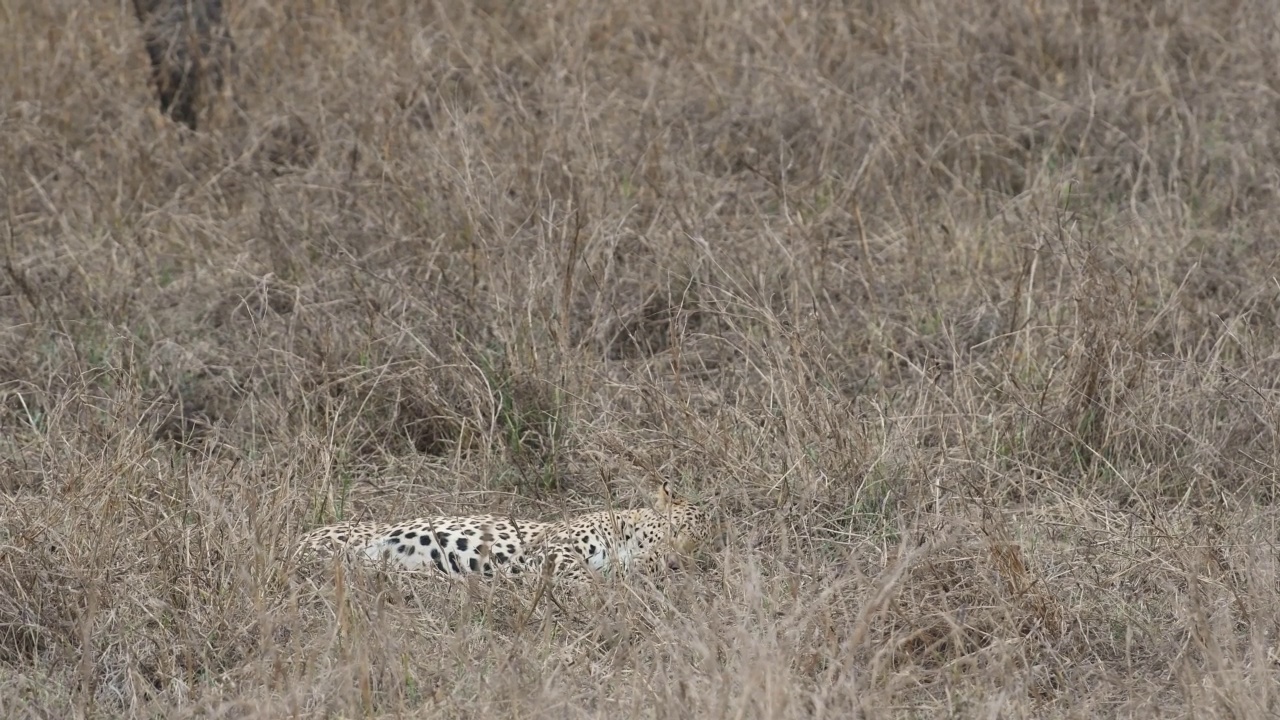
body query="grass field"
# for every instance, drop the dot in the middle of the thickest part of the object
(963, 317)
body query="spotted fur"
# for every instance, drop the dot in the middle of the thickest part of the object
(601, 543)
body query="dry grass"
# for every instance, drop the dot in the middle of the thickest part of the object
(964, 315)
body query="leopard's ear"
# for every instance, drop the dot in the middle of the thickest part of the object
(664, 498)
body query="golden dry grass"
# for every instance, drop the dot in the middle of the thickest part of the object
(964, 316)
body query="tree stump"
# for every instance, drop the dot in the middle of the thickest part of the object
(191, 52)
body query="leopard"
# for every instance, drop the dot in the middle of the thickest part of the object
(568, 552)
